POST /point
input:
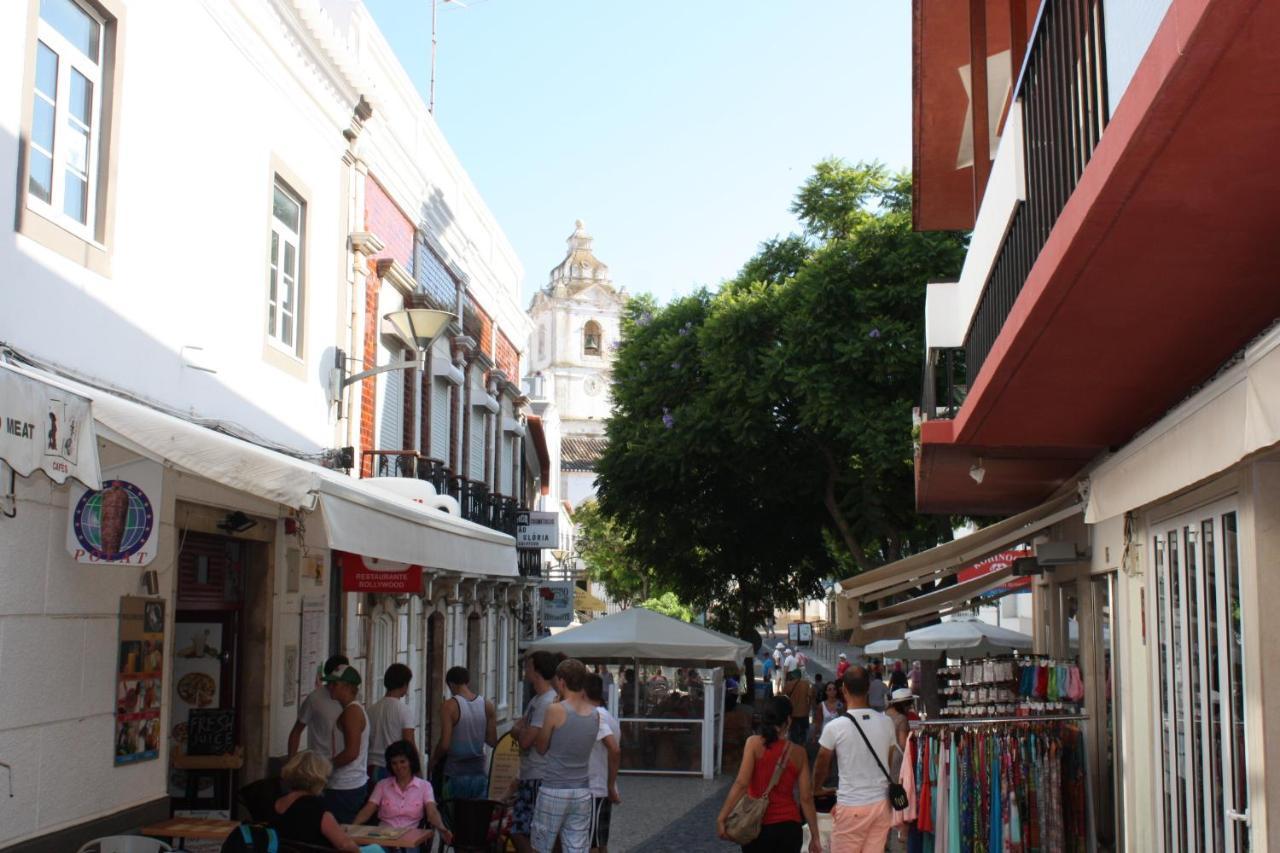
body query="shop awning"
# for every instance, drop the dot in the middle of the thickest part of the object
(357, 517)
(947, 559)
(587, 603)
(362, 521)
(44, 427)
(937, 602)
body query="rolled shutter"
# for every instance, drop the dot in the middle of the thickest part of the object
(439, 419)
(391, 423)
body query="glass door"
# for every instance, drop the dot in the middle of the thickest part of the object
(1200, 676)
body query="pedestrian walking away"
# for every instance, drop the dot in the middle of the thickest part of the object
(349, 782)
(469, 721)
(565, 740)
(781, 829)
(842, 666)
(390, 720)
(317, 714)
(799, 690)
(606, 756)
(862, 814)
(539, 669)
(878, 691)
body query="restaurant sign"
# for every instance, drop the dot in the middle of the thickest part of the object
(369, 574)
(995, 563)
(537, 529)
(44, 428)
(118, 523)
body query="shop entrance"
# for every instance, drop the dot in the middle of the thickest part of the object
(211, 728)
(1200, 679)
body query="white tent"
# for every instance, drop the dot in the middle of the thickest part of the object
(968, 639)
(640, 634)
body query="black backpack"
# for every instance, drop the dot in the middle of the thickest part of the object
(252, 838)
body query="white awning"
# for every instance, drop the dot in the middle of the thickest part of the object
(943, 600)
(381, 525)
(357, 517)
(644, 634)
(947, 559)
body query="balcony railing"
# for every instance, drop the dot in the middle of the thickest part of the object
(943, 393)
(529, 562)
(1063, 94)
(475, 501)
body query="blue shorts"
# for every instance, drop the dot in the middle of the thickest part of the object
(469, 787)
(522, 811)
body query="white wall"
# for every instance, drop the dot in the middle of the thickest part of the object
(1130, 26)
(197, 146)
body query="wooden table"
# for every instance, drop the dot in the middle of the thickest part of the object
(215, 829)
(409, 838)
(197, 828)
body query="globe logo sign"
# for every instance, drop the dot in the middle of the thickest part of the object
(113, 523)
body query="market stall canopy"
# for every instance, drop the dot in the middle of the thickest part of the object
(947, 559)
(358, 517)
(638, 633)
(967, 638)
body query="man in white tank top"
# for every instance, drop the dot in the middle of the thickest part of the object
(348, 784)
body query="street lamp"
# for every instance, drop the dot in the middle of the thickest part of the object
(420, 325)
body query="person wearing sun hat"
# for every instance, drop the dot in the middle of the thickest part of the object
(902, 711)
(349, 782)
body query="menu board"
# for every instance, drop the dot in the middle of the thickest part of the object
(138, 674)
(504, 766)
(211, 731)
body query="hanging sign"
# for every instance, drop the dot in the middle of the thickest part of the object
(138, 670)
(367, 574)
(995, 563)
(118, 523)
(43, 428)
(537, 529)
(557, 603)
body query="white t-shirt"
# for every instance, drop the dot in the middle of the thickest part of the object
(318, 712)
(598, 766)
(531, 761)
(789, 664)
(388, 718)
(861, 781)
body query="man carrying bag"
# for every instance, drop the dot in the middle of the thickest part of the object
(861, 741)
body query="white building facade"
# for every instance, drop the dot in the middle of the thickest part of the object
(210, 233)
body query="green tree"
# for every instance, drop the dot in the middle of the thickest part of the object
(605, 547)
(668, 605)
(761, 437)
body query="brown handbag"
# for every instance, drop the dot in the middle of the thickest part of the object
(743, 823)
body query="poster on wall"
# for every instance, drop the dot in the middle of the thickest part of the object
(197, 680)
(44, 428)
(290, 675)
(138, 673)
(119, 523)
(557, 603)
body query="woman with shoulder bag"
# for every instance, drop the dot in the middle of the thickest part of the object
(761, 812)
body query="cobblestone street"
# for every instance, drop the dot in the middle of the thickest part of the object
(661, 813)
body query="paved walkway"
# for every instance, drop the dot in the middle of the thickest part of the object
(669, 813)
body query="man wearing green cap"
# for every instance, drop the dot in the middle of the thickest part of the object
(346, 790)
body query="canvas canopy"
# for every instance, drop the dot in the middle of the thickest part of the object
(967, 638)
(642, 634)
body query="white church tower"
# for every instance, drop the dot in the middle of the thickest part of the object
(570, 356)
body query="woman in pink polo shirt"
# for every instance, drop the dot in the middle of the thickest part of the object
(404, 798)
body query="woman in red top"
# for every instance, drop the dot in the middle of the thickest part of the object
(780, 830)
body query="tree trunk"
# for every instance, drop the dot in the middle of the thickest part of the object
(842, 526)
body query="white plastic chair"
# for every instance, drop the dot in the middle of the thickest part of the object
(125, 844)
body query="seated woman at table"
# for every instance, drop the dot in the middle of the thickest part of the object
(300, 815)
(404, 799)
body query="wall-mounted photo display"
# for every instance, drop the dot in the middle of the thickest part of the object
(138, 679)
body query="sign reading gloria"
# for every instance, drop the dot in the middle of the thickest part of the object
(43, 428)
(537, 529)
(117, 523)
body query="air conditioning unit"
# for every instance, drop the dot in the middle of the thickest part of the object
(1058, 554)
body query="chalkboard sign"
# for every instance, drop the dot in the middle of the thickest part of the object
(211, 731)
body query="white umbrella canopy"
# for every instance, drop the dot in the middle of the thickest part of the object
(967, 639)
(643, 634)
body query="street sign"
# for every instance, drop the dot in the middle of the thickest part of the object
(537, 529)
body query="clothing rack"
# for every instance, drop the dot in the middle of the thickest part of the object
(969, 721)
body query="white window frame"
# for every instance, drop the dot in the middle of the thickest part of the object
(281, 233)
(69, 57)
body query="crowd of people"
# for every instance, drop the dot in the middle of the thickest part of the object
(842, 742)
(363, 765)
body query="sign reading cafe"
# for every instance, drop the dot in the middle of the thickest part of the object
(44, 428)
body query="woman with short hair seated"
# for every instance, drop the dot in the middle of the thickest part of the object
(300, 815)
(404, 799)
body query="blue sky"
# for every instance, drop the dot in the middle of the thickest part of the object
(679, 131)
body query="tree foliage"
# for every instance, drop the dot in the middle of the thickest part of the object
(668, 605)
(761, 437)
(605, 546)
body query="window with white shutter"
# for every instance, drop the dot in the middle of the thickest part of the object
(479, 425)
(440, 419)
(391, 422)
